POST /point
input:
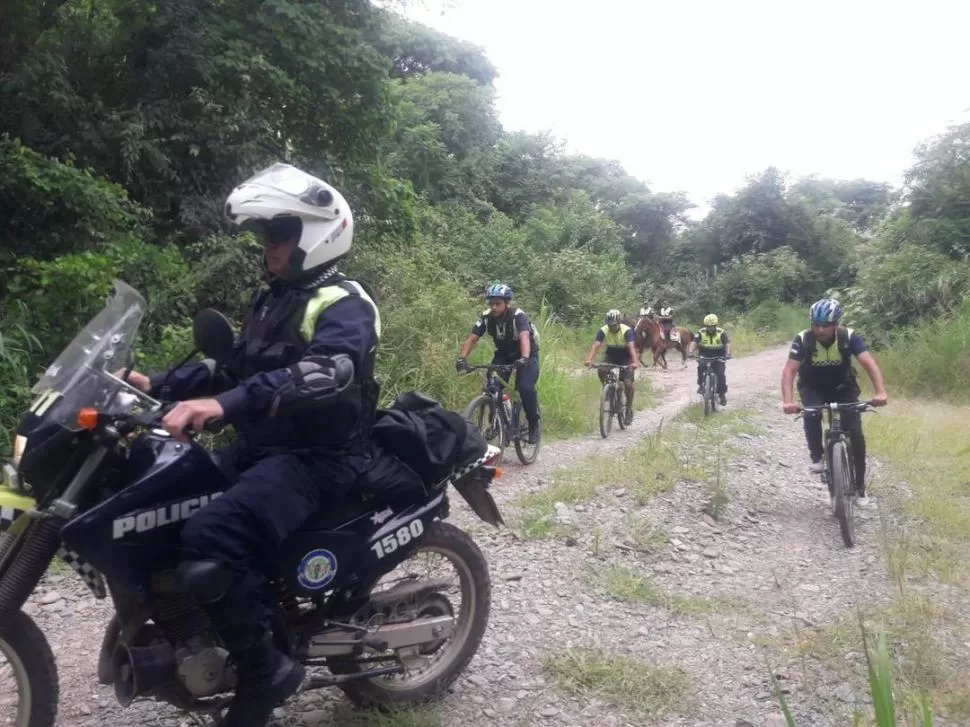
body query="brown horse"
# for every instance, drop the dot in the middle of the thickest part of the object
(650, 335)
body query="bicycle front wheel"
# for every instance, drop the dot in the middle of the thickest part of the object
(709, 400)
(483, 413)
(619, 405)
(842, 491)
(606, 410)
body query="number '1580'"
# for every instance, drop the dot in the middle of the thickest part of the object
(398, 539)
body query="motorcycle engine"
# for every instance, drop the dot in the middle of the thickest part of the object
(200, 660)
(202, 667)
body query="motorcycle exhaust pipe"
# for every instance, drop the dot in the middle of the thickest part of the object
(140, 669)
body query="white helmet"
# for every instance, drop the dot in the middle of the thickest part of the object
(302, 206)
(666, 312)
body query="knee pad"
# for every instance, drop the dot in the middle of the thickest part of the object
(206, 580)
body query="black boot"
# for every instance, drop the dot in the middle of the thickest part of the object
(266, 678)
(533, 432)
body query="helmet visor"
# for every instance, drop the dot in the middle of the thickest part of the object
(277, 231)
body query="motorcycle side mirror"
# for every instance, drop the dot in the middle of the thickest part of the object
(212, 334)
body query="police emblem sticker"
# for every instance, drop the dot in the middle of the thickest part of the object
(317, 569)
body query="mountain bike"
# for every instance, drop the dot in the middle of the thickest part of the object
(709, 382)
(839, 472)
(612, 399)
(500, 418)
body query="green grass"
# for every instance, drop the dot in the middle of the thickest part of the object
(887, 707)
(655, 464)
(643, 689)
(930, 360)
(622, 583)
(717, 428)
(925, 540)
(644, 535)
(926, 445)
(538, 509)
(421, 716)
(652, 466)
(714, 443)
(902, 680)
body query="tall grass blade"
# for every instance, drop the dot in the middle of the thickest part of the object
(880, 679)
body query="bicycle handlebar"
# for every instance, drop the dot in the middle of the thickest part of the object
(859, 406)
(610, 366)
(490, 367)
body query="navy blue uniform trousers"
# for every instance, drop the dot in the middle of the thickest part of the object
(526, 379)
(851, 422)
(272, 496)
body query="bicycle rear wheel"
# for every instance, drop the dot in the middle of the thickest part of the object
(842, 491)
(526, 450)
(483, 413)
(606, 410)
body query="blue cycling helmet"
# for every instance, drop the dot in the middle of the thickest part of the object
(498, 290)
(826, 310)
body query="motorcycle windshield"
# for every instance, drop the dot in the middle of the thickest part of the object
(84, 371)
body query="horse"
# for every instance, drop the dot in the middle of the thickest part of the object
(649, 334)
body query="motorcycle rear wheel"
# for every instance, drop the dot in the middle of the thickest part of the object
(476, 588)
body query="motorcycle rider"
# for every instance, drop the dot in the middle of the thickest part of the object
(301, 393)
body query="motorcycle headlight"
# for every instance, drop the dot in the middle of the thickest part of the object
(19, 445)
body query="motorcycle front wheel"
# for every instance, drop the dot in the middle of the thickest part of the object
(28, 674)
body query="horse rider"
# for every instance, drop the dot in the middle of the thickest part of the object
(666, 321)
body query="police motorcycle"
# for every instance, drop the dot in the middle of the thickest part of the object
(96, 481)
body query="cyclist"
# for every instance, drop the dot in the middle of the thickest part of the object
(621, 350)
(516, 342)
(713, 341)
(667, 321)
(822, 357)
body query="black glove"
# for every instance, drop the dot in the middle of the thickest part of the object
(521, 363)
(461, 365)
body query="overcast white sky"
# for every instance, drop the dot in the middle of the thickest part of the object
(693, 95)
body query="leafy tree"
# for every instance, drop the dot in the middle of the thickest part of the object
(525, 172)
(446, 130)
(179, 99)
(778, 275)
(859, 202)
(416, 49)
(939, 193)
(49, 208)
